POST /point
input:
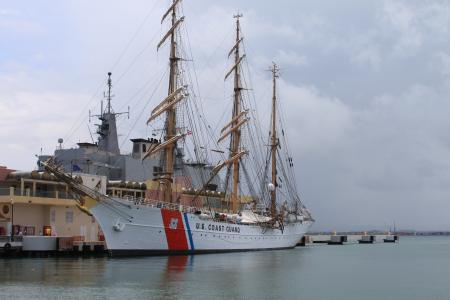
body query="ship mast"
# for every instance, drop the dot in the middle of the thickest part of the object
(107, 130)
(109, 92)
(171, 113)
(238, 117)
(274, 141)
(167, 106)
(236, 135)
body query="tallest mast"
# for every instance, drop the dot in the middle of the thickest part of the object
(171, 113)
(238, 118)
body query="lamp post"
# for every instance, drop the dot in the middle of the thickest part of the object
(12, 220)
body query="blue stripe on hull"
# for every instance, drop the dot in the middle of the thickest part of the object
(188, 227)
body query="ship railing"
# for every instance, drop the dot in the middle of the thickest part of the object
(45, 194)
(164, 205)
(16, 192)
(5, 191)
(10, 238)
(12, 191)
(185, 209)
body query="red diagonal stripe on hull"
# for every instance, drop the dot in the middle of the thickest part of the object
(176, 237)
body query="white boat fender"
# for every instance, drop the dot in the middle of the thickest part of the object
(119, 226)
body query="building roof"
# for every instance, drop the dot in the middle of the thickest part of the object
(4, 171)
(85, 144)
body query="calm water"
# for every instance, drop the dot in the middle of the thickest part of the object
(416, 268)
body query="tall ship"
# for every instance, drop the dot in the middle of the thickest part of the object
(248, 200)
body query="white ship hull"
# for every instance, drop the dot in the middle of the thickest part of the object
(145, 229)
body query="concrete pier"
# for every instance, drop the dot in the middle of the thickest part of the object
(43, 246)
(390, 239)
(367, 239)
(343, 239)
(337, 240)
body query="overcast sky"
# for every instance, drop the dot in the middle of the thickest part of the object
(365, 87)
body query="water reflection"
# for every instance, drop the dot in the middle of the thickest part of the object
(234, 275)
(52, 270)
(177, 264)
(317, 272)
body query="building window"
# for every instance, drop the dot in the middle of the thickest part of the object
(5, 209)
(157, 171)
(52, 216)
(135, 148)
(144, 148)
(69, 216)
